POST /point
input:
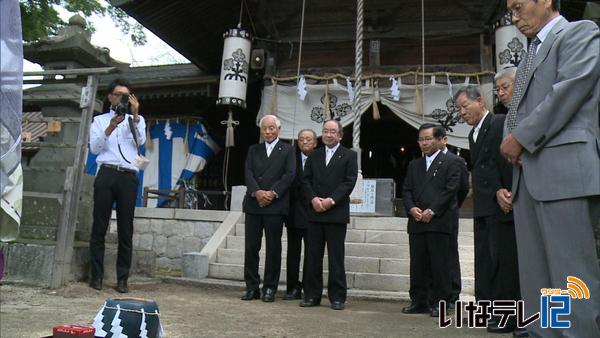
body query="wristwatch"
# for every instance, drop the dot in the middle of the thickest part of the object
(275, 194)
(332, 201)
(431, 212)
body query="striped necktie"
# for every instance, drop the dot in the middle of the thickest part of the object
(511, 117)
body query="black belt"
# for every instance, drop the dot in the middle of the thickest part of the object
(119, 168)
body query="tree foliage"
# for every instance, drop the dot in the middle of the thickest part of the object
(40, 18)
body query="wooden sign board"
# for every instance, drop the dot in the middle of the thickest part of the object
(54, 126)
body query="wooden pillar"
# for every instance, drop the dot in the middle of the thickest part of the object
(73, 180)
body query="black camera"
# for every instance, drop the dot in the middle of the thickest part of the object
(123, 106)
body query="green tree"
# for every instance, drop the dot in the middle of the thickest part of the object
(40, 18)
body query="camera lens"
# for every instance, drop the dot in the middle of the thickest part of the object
(123, 106)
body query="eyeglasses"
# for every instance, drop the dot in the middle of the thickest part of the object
(119, 95)
(305, 139)
(330, 131)
(505, 88)
(517, 9)
(425, 139)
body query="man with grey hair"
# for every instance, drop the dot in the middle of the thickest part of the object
(552, 141)
(505, 83)
(496, 269)
(270, 170)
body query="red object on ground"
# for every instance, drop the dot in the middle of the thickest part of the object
(72, 330)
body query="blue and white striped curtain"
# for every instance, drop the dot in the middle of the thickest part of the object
(177, 151)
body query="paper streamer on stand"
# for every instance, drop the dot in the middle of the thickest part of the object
(356, 196)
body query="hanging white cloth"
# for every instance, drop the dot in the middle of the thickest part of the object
(437, 104)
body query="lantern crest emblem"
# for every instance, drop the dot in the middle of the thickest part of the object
(237, 66)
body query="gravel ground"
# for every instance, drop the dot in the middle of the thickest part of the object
(210, 311)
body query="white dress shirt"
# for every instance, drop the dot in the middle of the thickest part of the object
(478, 126)
(270, 146)
(107, 147)
(329, 153)
(429, 159)
(543, 33)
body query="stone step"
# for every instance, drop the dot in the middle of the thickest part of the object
(353, 263)
(355, 280)
(377, 250)
(375, 236)
(396, 223)
(390, 223)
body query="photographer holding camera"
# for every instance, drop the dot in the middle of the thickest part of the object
(115, 137)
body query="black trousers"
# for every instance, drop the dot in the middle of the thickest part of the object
(317, 236)
(112, 186)
(294, 250)
(504, 271)
(455, 262)
(484, 265)
(273, 228)
(430, 260)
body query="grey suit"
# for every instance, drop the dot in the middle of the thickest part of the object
(557, 187)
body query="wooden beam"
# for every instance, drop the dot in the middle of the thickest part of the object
(74, 71)
(65, 236)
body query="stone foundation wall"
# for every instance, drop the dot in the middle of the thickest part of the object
(169, 233)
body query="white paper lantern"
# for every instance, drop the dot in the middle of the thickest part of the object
(511, 44)
(234, 68)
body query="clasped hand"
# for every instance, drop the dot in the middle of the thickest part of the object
(511, 149)
(321, 204)
(421, 215)
(504, 199)
(264, 197)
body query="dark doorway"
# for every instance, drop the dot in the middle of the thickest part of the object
(388, 145)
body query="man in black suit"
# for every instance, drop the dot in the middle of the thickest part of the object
(329, 176)
(297, 221)
(496, 268)
(270, 170)
(430, 197)
(463, 190)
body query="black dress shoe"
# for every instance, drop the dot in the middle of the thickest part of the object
(337, 305)
(122, 286)
(251, 294)
(295, 293)
(309, 302)
(497, 329)
(96, 284)
(519, 333)
(415, 308)
(494, 321)
(435, 312)
(268, 296)
(494, 327)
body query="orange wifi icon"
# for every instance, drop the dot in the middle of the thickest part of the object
(577, 288)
